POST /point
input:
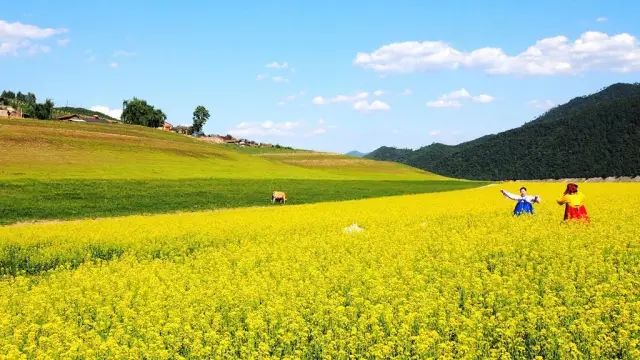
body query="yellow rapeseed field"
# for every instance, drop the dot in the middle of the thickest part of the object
(442, 275)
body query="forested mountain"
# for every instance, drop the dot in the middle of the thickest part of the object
(590, 136)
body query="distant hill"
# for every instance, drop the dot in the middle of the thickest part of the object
(356, 153)
(590, 136)
(67, 110)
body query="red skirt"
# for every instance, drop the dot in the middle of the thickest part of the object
(575, 213)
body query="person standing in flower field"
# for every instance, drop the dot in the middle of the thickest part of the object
(573, 200)
(524, 203)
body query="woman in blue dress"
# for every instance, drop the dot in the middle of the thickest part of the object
(524, 203)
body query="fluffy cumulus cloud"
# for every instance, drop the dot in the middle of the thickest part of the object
(376, 105)
(114, 113)
(359, 101)
(550, 56)
(456, 99)
(17, 38)
(266, 128)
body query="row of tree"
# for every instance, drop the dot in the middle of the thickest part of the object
(28, 104)
(134, 111)
(139, 112)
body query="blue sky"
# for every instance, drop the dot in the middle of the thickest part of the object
(330, 75)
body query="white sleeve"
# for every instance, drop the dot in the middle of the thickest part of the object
(532, 198)
(510, 195)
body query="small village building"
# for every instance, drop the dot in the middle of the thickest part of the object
(167, 126)
(72, 118)
(183, 129)
(83, 118)
(10, 112)
(217, 139)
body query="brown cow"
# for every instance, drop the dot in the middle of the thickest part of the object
(279, 196)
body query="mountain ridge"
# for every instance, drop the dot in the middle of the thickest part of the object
(596, 135)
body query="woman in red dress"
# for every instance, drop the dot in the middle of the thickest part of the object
(573, 200)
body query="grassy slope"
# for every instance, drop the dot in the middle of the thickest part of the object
(54, 150)
(52, 170)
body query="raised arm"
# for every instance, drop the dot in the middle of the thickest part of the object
(534, 199)
(509, 195)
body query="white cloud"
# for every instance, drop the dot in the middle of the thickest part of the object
(16, 38)
(440, 103)
(113, 65)
(358, 100)
(549, 56)
(18, 30)
(454, 99)
(376, 105)
(260, 77)
(378, 93)
(277, 65)
(483, 98)
(266, 128)
(542, 104)
(601, 19)
(114, 113)
(434, 132)
(319, 100)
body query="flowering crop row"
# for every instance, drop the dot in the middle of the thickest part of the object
(447, 275)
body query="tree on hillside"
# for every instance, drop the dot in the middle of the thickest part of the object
(200, 117)
(8, 95)
(31, 98)
(138, 112)
(42, 111)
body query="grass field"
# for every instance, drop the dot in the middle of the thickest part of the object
(28, 200)
(446, 275)
(54, 170)
(49, 150)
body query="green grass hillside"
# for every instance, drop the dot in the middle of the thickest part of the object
(55, 150)
(55, 170)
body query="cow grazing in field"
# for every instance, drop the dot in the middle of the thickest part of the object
(279, 196)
